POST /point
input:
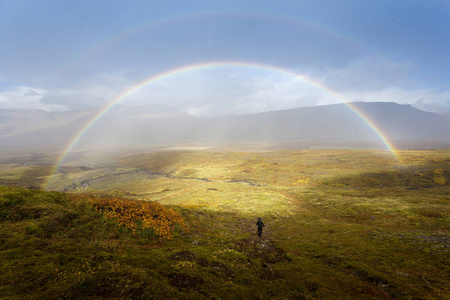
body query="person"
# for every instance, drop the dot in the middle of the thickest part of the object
(260, 226)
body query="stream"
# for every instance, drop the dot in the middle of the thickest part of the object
(86, 183)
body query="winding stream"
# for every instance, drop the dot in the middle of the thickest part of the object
(86, 183)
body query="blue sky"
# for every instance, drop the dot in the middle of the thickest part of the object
(62, 55)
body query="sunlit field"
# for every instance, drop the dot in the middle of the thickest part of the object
(339, 224)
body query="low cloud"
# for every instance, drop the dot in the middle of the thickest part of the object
(92, 93)
(367, 74)
(233, 90)
(440, 105)
(32, 93)
(424, 99)
(24, 97)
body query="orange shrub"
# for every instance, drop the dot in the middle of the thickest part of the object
(135, 214)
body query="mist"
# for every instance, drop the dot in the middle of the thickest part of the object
(159, 127)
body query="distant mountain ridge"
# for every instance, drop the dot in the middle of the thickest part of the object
(337, 123)
(328, 124)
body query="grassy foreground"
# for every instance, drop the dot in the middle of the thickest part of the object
(339, 225)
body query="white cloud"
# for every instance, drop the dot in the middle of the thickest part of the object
(236, 90)
(440, 105)
(93, 93)
(24, 97)
(232, 90)
(424, 99)
(367, 74)
(374, 79)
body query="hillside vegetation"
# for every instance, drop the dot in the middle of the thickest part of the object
(338, 224)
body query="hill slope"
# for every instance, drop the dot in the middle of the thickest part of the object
(330, 124)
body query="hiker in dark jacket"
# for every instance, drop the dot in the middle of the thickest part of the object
(260, 226)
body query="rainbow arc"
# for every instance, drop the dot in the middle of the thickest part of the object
(216, 64)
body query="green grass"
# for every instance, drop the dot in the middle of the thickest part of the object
(340, 224)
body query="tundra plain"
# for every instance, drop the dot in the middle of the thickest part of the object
(339, 224)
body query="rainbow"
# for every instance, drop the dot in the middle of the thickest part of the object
(191, 67)
(155, 24)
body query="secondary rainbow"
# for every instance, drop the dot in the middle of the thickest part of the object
(155, 24)
(191, 67)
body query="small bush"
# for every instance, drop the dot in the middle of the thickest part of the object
(440, 180)
(139, 215)
(432, 213)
